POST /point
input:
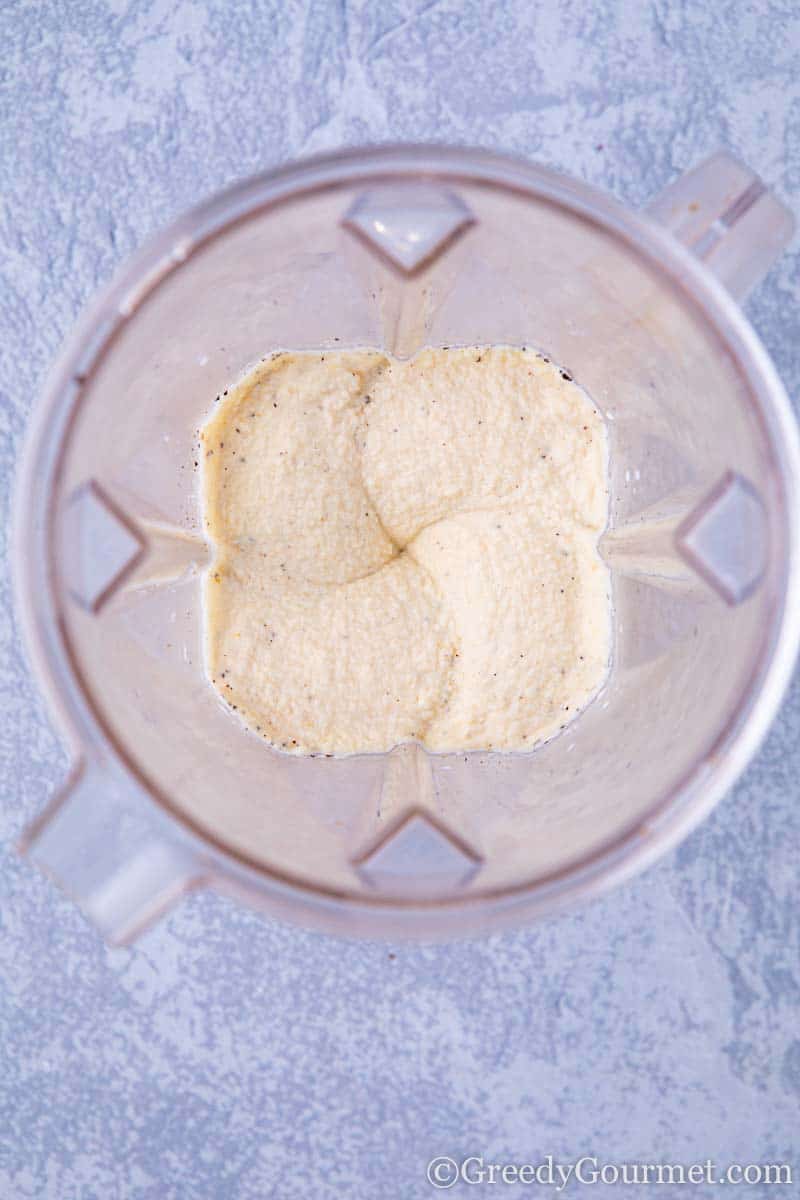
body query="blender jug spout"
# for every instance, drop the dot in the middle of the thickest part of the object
(723, 212)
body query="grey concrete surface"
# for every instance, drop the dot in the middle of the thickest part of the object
(228, 1058)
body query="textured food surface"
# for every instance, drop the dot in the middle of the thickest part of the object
(406, 550)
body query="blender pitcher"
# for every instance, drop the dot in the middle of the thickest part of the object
(396, 249)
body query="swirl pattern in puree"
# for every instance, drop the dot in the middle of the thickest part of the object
(406, 550)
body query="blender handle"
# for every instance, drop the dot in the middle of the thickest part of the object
(724, 213)
(95, 841)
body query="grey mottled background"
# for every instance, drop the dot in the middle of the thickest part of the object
(225, 1057)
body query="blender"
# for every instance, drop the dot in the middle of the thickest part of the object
(398, 248)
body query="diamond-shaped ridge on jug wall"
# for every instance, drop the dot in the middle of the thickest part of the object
(101, 546)
(725, 539)
(418, 858)
(410, 225)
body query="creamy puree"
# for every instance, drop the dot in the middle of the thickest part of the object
(406, 550)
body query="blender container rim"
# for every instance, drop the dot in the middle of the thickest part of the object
(670, 817)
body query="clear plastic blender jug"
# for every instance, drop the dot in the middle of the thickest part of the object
(400, 248)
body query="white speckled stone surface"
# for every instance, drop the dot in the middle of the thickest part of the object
(226, 1058)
